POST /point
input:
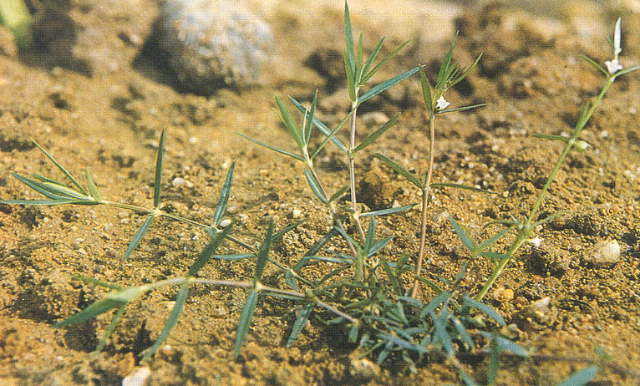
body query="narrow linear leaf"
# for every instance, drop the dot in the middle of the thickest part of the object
(627, 70)
(209, 250)
(357, 70)
(314, 250)
(322, 127)
(435, 303)
(378, 245)
(286, 230)
(371, 59)
(92, 311)
(377, 134)
(551, 137)
(381, 87)
(93, 189)
(62, 169)
(465, 73)
(172, 320)
(464, 108)
(309, 118)
(442, 335)
(393, 278)
(383, 212)
(315, 185)
(426, 91)
(487, 310)
(348, 35)
(290, 123)
(348, 70)
(594, 64)
(138, 236)
(331, 136)
(283, 152)
(290, 279)
(463, 234)
(370, 236)
(45, 190)
(464, 335)
(490, 241)
(111, 328)
(445, 66)
(263, 253)
(233, 257)
(245, 321)
(582, 377)
(60, 201)
(158, 177)
(494, 360)
(90, 280)
(494, 255)
(300, 323)
(400, 170)
(384, 61)
(506, 344)
(338, 194)
(225, 193)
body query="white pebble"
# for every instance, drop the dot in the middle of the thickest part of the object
(137, 377)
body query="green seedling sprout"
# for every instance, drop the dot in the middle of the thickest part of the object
(15, 16)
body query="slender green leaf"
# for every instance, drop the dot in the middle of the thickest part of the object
(331, 137)
(314, 184)
(62, 169)
(351, 85)
(381, 87)
(263, 253)
(323, 128)
(465, 73)
(583, 117)
(435, 303)
(487, 310)
(370, 236)
(233, 257)
(426, 91)
(314, 250)
(462, 232)
(290, 279)
(208, 251)
(111, 328)
(286, 230)
(172, 320)
(90, 280)
(93, 189)
(595, 64)
(245, 321)
(383, 62)
(445, 67)
(348, 35)
(290, 123)
(400, 170)
(494, 255)
(371, 59)
(551, 137)
(464, 335)
(358, 63)
(45, 190)
(627, 70)
(582, 377)
(489, 242)
(338, 194)
(158, 178)
(225, 193)
(377, 134)
(309, 118)
(138, 236)
(300, 323)
(549, 218)
(61, 201)
(464, 108)
(441, 334)
(383, 212)
(506, 344)
(92, 311)
(392, 275)
(494, 361)
(283, 152)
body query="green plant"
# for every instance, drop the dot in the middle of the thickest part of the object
(16, 17)
(525, 228)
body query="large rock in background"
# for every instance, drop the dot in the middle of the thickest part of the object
(95, 36)
(211, 43)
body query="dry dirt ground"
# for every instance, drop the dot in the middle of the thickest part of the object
(531, 80)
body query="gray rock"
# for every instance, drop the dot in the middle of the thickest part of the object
(212, 44)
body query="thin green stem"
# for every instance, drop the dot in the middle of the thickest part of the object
(527, 228)
(426, 191)
(352, 167)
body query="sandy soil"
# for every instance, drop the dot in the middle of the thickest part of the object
(532, 82)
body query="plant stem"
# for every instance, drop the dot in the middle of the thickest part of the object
(352, 167)
(527, 228)
(426, 191)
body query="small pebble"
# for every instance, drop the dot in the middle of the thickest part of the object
(604, 253)
(363, 369)
(136, 377)
(296, 213)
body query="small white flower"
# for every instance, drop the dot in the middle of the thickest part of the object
(614, 65)
(536, 242)
(442, 103)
